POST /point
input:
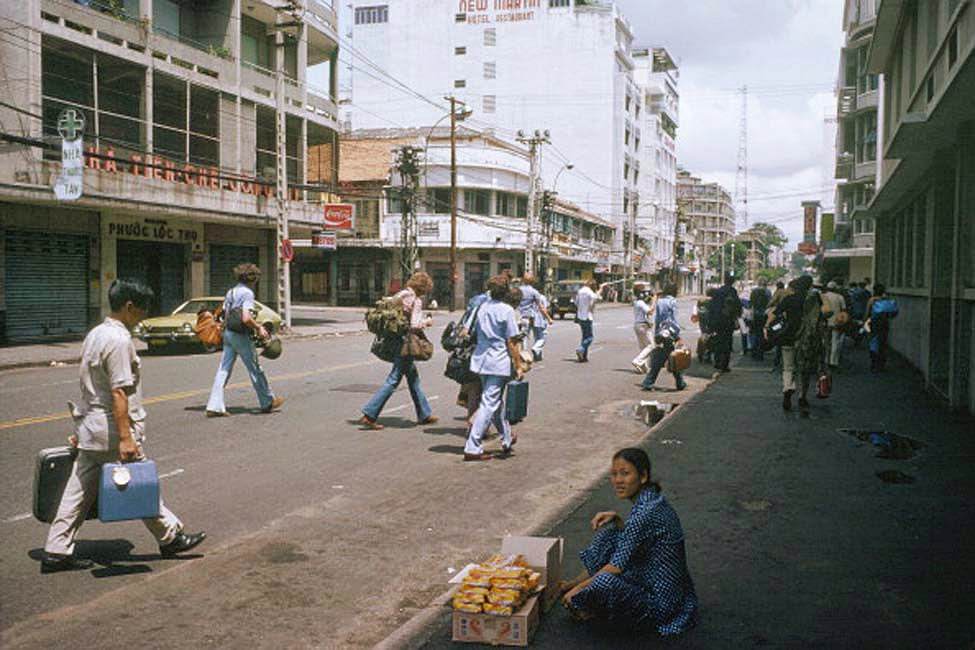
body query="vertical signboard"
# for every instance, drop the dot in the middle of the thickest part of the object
(68, 185)
(810, 210)
(827, 227)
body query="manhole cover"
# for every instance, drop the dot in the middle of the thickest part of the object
(357, 388)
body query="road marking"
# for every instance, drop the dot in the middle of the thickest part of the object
(10, 520)
(14, 389)
(403, 406)
(175, 472)
(54, 417)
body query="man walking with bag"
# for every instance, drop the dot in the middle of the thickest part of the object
(109, 426)
(532, 308)
(239, 326)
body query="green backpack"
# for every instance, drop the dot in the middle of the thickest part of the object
(387, 318)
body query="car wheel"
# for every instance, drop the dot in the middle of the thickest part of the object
(210, 349)
(561, 315)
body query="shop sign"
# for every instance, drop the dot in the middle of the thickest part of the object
(827, 229)
(807, 248)
(69, 184)
(339, 216)
(483, 12)
(287, 251)
(159, 230)
(429, 228)
(326, 240)
(163, 169)
(809, 210)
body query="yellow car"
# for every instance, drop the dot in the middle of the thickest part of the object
(161, 332)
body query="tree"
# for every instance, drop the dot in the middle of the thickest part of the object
(740, 255)
(770, 275)
(798, 263)
(769, 237)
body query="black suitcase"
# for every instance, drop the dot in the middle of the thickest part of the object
(50, 478)
(516, 404)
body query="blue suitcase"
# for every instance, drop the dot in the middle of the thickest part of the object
(128, 491)
(516, 401)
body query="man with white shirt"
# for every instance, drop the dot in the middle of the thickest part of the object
(534, 310)
(585, 301)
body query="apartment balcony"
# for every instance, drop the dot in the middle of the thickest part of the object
(846, 102)
(867, 100)
(844, 166)
(866, 170)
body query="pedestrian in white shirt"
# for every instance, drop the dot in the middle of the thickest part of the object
(643, 306)
(586, 300)
(835, 304)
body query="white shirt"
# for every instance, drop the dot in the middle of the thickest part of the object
(108, 361)
(641, 312)
(585, 303)
(496, 323)
(835, 303)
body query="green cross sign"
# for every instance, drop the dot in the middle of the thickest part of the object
(71, 124)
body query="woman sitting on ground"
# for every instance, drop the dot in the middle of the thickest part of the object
(636, 570)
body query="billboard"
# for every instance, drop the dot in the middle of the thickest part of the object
(339, 216)
(809, 211)
(326, 240)
(827, 227)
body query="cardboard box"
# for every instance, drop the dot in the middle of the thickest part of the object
(514, 630)
(544, 554)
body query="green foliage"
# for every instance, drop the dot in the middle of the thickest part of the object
(740, 255)
(770, 275)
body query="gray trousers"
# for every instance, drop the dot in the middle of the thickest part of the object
(80, 493)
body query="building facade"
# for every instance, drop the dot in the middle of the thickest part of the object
(709, 210)
(179, 150)
(563, 66)
(492, 211)
(849, 255)
(656, 141)
(924, 207)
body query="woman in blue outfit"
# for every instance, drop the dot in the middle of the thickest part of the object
(636, 574)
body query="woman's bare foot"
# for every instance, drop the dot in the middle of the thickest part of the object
(369, 423)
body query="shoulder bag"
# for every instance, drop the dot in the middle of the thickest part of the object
(235, 318)
(416, 346)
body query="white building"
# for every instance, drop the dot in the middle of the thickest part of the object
(557, 65)
(492, 209)
(656, 77)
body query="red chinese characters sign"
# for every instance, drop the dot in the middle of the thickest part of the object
(809, 212)
(339, 216)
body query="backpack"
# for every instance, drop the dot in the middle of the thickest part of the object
(387, 318)
(881, 313)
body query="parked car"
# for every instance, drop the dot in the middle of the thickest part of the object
(562, 300)
(161, 332)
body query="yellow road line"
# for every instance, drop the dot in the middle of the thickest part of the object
(54, 417)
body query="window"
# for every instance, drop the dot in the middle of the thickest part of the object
(477, 202)
(367, 222)
(460, 83)
(523, 207)
(393, 203)
(490, 70)
(628, 100)
(460, 51)
(371, 15)
(255, 47)
(626, 171)
(460, 18)
(636, 176)
(559, 3)
(626, 136)
(636, 113)
(438, 200)
(490, 37)
(489, 103)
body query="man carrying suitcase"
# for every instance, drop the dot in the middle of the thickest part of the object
(109, 425)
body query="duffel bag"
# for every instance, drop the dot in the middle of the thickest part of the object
(386, 347)
(459, 366)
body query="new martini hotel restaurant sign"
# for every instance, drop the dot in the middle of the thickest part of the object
(480, 12)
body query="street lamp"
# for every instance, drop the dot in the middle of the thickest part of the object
(555, 183)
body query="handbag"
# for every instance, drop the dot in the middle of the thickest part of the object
(385, 348)
(416, 346)
(824, 386)
(679, 360)
(208, 329)
(459, 366)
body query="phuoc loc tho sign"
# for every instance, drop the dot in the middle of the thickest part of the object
(162, 169)
(481, 12)
(176, 231)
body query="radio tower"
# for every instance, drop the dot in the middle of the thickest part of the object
(741, 178)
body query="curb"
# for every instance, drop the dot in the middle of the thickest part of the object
(417, 630)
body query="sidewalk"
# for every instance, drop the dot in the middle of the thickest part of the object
(793, 540)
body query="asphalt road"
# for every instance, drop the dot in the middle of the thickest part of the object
(320, 534)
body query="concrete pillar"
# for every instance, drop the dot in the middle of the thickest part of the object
(333, 278)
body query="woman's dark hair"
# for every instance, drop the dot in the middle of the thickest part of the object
(513, 297)
(247, 273)
(123, 291)
(670, 289)
(498, 287)
(639, 459)
(879, 289)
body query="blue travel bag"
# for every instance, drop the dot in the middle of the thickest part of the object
(516, 401)
(128, 491)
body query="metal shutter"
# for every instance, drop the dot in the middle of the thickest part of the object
(223, 259)
(160, 266)
(46, 279)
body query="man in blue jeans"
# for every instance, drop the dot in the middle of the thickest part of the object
(586, 300)
(240, 344)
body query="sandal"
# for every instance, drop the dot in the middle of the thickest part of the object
(369, 423)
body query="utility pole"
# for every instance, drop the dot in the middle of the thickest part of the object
(534, 143)
(408, 166)
(741, 178)
(453, 202)
(288, 16)
(630, 250)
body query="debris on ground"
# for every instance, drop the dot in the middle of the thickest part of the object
(895, 476)
(890, 445)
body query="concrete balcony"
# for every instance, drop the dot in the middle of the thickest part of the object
(867, 100)
(844, 166)
(865, 170)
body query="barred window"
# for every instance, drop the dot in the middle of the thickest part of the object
(490, 70)
(490, 37)
(372, 15)
(489, 103)
(559, 3)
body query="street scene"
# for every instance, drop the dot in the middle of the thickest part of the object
(530, 323)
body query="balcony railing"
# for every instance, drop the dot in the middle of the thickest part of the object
(846, 101)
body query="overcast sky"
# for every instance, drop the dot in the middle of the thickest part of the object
(787, 52)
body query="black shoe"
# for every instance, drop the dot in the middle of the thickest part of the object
(787, 400)
(182, 543)
(55, 563)
(803, 405)
(536, 356)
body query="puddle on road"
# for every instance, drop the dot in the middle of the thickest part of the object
(889, 445)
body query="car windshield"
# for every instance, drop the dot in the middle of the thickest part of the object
(569, 287)
(195, 306)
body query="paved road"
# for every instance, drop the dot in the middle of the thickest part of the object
(320, 533)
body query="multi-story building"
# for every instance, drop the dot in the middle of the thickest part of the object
(924, 207)
(850, 254)
(179, 138)
(558, 65)
(492, 209)
(709, 209)
(656, 77)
